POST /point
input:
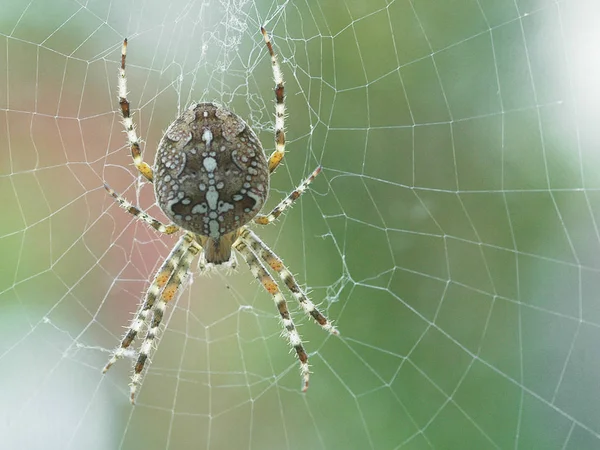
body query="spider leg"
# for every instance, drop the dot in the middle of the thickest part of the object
(127, 206)
(268, 256)
(132, 137)
(263, 219)
(168, 293)
(160, 279)
(289, 329)
(277, 155)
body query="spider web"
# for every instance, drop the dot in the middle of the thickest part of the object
(452, 235)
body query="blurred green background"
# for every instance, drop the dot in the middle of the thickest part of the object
(452, 235)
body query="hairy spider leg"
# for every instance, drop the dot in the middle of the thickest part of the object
(289, 329)
(277, 155)
(260, 248)
(138, 213)
(264, 219)
(132, 137)
(160, 280)
(168, 293)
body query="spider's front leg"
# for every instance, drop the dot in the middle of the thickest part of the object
(260, 273)
(275, 263)
(169, 292)
(161, 278)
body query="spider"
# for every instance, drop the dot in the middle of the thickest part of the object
(211, 179)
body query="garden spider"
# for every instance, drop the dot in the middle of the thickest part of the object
(211, 178)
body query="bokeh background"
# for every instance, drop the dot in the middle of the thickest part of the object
(452, 236)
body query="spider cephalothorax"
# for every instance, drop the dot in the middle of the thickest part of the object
(211, 178)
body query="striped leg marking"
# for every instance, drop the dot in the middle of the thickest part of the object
(132, 137)
(162, 277)
(168, 293)
(279, 152)
(289, 329)
(288, 201)
(275, 263)
(138, 213)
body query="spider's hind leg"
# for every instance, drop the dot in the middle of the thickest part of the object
(132, 137)
(277, 155)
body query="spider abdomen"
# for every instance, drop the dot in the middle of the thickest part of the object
(211, 174)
